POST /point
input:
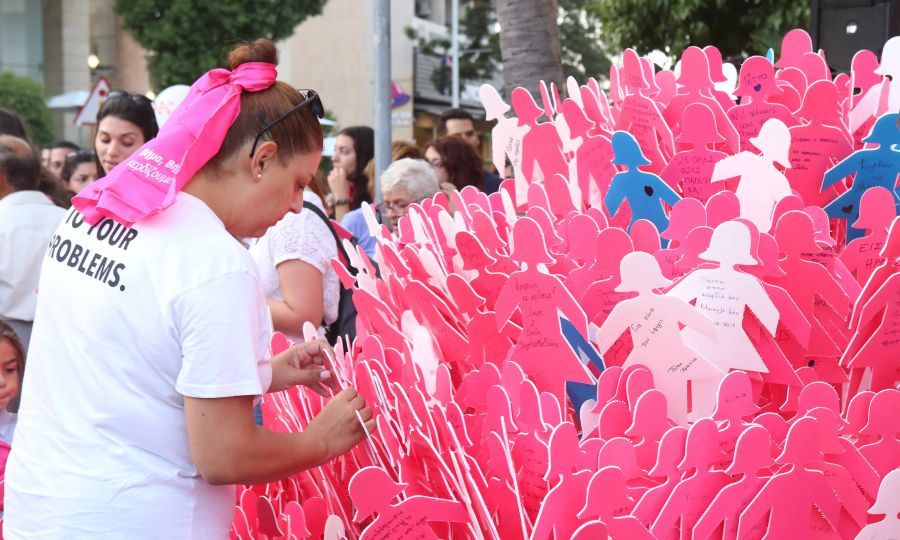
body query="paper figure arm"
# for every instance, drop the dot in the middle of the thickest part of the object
(714, 515)
(790, 313)
(616, 194)
(440, 510)
(758, 507)
(665, 192)
(687, 315)
(669, 514)
(874, 305)
(506, 304)
(612, 328)
(840, 171)
(730, 167)
(686, 289)
(830, 290)
(761, 306)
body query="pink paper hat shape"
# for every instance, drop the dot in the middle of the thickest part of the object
(467, 300)
(372, 490)
(721, 207)
(795, 233)
(794, 44)
(698, 126)
(641, 273)
(735, 397)
(888, 499)
(820, 104)
(528, 243)
(757, 78)
(876, 209)
(700, 450)
(774, 141)
(526, 108)
(801, 445)
(714, 58)
(670, 452)
(752, 451)
(730, 244)
(694, 69)
(686, 215)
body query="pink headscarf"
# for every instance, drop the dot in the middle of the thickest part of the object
(147, 182)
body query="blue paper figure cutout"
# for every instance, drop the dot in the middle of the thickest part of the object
(645, 192)
(873, 167)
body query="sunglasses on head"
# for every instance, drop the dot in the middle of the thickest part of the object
(140, 99)
(79, 153)
(310, 99)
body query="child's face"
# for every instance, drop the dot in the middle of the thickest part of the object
(9, 373)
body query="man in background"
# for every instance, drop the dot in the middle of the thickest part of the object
(459, 123)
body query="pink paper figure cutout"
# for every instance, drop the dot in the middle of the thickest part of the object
(856, 414)
(883, 454)
(694, 493)
(506, 136)
(788, 497)
(580, 231)
(530, 456)
(486, 283)
(650, 423)
(876, 213)
(334, 529)
(296, 521)
(888, 504)
(686, 215)
(538, 295)
(593, 157)
(717, 74)
(696, 86)
(794, 45)
(734, 403)
(722, 294)
(762, 185)
(814, 67)
(653, 321)
(645, 236)
(751, 455)
(372, 490)
(756, 84)
(485, 344)
(877, 165)
(315, 512)
(671, 453)
(791, 84)
(590, 530)
(863, 76)
(542, 154)
(827, 255)
(641, 117)
(268, 521)
(690, 170)
(721, 207)
(667, 84)
(696, 242)
(817, 144)
(889, 67)
(607, 500)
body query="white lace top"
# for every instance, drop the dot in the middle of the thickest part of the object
(303, 237)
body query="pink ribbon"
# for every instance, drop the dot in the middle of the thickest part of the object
(146, 183)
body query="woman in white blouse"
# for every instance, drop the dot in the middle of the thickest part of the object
(295, 270)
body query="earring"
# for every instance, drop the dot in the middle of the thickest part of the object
(259, 175)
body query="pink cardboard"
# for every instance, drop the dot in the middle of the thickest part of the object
(721, 207)
(608, 500)
(876, 212)
(690, 171)
(671, 453)
(887, 504)
(884, 453)
(756, 84)
(594, 155)
(541, 146)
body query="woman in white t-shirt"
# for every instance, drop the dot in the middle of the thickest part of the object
(294, 260)
(151, 329)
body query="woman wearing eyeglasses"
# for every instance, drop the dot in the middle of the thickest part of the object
(150, 340)
(125, 122)
(404, 182)
(455, 162)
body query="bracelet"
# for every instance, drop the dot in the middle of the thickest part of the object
(341, 202)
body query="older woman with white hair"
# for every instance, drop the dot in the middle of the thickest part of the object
(405, 182)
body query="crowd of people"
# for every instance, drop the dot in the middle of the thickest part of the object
(102, 358)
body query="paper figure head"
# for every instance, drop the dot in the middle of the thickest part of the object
(528, 243)
(698, 126)
(890, 58)
(883, 418)
(751, 453)
(794, 77)
(605, 493)
(888, 500)
(632, 72)
(700, 449)
(891, 247)
(372, 490)
(876, 209)
(730, 245)
(814, 66)
(526, 108)
(695, 69)
(774, 141)
(472, 252)
(830, 425)
(627, 151)
(793, 45)
(714, 59)
(670, 452)
(580, 229)
(886, 130)
(721, 207)
(863, 67)
(466, 299)
(494, 106)
(795, 233)
(801, 445)
(735, 397)
(757, 78)
(641, 273)
(575, 118)
(687, 214)
(647, 69)
(767, 254)
(820, 104)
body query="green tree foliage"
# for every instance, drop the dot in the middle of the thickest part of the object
(26, 97)
(737, 28)
(185, 38)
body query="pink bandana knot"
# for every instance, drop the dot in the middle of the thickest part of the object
(147, 182)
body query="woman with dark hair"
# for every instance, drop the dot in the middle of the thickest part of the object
(79, 170)
(151, 340)
(124, 123)
(455, 162)
(354, 147)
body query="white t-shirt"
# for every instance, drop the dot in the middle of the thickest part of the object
(303, 237)
(128, 322)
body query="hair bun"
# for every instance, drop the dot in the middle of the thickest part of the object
(261, 50)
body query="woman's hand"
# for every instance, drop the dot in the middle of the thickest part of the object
(337, 181)
(305, 363)
(337, 425)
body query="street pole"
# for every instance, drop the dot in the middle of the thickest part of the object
(454, 52)
(382, 97)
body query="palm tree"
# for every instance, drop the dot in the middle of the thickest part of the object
(529, 43)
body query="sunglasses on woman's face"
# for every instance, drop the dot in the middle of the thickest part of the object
(310, 99)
